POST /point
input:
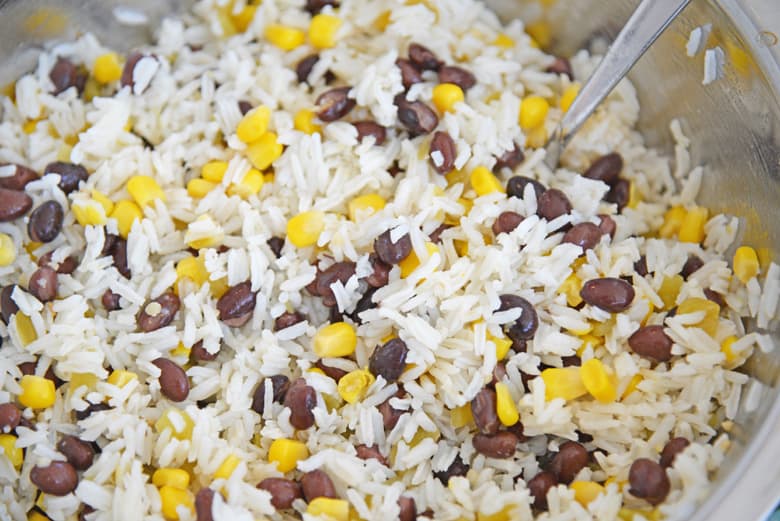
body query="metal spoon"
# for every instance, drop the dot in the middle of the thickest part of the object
(643, 28)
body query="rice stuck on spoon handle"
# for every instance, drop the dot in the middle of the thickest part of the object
(644, 27)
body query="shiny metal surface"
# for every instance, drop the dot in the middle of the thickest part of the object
(644, 27)
(734, 124)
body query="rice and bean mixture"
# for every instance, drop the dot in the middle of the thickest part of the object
(306, 261)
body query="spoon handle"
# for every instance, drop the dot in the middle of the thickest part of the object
(643, 28)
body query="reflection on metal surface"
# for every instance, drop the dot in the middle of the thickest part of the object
(767, 38)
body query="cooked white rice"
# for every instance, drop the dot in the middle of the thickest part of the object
(184, 102)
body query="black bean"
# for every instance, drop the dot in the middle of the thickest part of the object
(456, 468)
(65, 267)
(391, 252)
(237, 304)
(127, 72)
(65, 74)
(85, 510)
(538, 487)
(571, 458)
(409, 73)
(370, 129)
(13, 204)
(511, 159)
(276, 244)
(283, 491)
(500, 445)
(516, 186)
(304, 67)
(174, 383)
(561, 66)
(59, 478)
(552, 203)
(389, 360)
(154, 319)
(672, 448)
(372, 452)
(714, 297)
(408, 509)
(334, 104)
(315, 6)
(442, 152)
(339, 271)
(43, 284)
(199, 353)
(330, 371)
(651, 342)
(7, 306)
(585, 235)
(110, 300)
(606, 168)
(607, 225)
(423, 58)
(640, 266)
(435, 235)
(203, 502)
(692, 265)
(301, 400)
(21, 176)
(517, 430)
(390, 415)
(287, 319)
(381, 273)
(365, 303)
(45, 222)
(619, 193)
(417, 117)
(610, 294)
(317, 483)
(483, 408)
(79, 453)
(506, 222)
(70, 175)
(10, 415)
(110, 242)
(571, 361)
(279, 385)
(525, 326)
(499, 373)
(457, 76)
(91, 409)
(244, 107)
(648, 480)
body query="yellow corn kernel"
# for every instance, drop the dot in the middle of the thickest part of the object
(263, 152)
(412, 262)
(198, 188)
(446, 95)
(563, 382)
(14, 454)
(304, 121)
(670, 288)
(352, 386)
(203, 232)
(673, 219)
(323, 29)
(144, 190)
(598, 381)
(504, 41)
(120, 377)
(227, 467)
(304, 229)
(219, 287)
(540, 32)
(382, 21)
(172, 498)
(181, 350)
(29, 126)
(335, 340)
(252, 126)
(711, 311)
(745, 263)
(171, 477)
(335, 509)
(243, 19)
(107, 68)
(732, 359)
(88, 212)
(286, 453)
(505, 405)
(214, 171)
(568, 96)
(7, 250)
(126, 213)
(178, 422)
(102, 200)
(37, 392)
(34, 515)
(533, 112)
(316, 370)
(588, 340)
(692, 227)
(192, 268)
(632, 384)
(536, 138)
(63, 154)
(571, 288)
(82, 379)
(359, 205)
(250, 185)
(502, 345)
(24, 328)
(634, 197)
(284, 37)
(484, 182)
(586, 491)
(461, 247)
(461, 416)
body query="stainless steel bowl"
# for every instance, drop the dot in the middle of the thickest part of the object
(734, 124)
